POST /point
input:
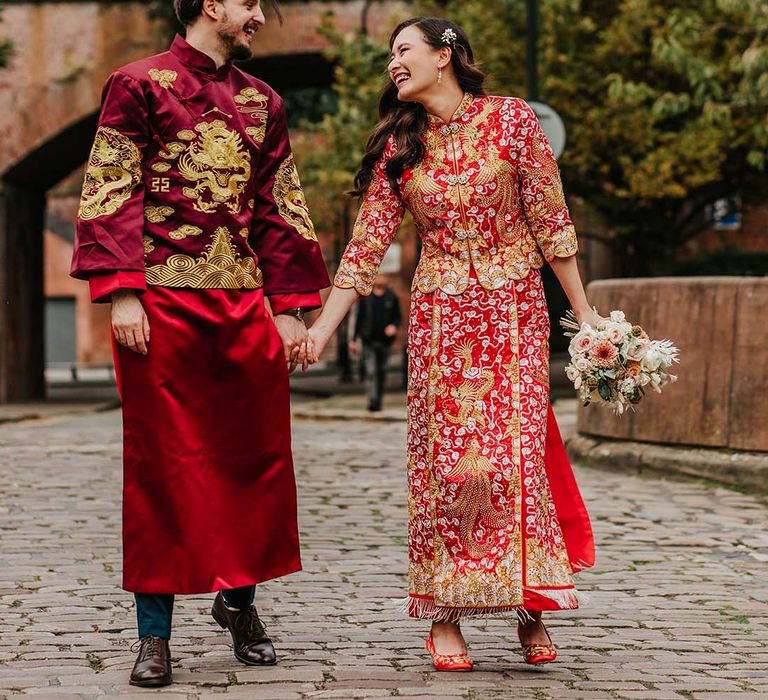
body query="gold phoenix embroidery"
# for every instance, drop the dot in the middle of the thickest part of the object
(185, 230)
(473, 506)
(290, 200)
(219, 267)
(113, 173)
(164, 78)
(218, 165)
(156, 215)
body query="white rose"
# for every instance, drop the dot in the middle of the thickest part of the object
(617, 316)
(577, 382)
(572, 373)
(651, 361)
(582, 364)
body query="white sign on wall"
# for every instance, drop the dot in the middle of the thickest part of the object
(392, 263)
(551, 125)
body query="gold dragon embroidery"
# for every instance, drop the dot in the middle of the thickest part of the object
(290, 200)
(218, 165)
(112, 175)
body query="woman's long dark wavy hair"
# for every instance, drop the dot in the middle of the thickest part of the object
(407, 120)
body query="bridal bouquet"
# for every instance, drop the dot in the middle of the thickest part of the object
(615, 362)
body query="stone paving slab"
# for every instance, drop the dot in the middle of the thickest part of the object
(679, 600)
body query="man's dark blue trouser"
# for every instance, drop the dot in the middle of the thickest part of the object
(154, 611)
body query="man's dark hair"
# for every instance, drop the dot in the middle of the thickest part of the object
(188, 11)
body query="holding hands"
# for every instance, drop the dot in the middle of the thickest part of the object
(293, 333)
(313, 347)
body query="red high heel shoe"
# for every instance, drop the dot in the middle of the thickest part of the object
(538, 653)
(448, 662)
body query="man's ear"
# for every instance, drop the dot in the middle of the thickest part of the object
(211, 9)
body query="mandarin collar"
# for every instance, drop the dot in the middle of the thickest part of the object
(196, 59)
(464, 105)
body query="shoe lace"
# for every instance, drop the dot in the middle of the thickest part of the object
(249, 623)
(148, 646)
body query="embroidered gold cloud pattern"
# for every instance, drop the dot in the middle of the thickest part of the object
(219, 267)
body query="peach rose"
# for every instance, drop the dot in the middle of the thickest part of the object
(633, 369)
(582, 341)
(615, 335)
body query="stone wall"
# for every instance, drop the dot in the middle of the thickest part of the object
(721, 328)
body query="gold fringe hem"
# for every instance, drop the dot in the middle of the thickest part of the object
(425, 609)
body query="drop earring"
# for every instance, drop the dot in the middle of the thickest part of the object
(439, 75)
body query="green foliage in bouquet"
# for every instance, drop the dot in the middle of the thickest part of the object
(665, 104)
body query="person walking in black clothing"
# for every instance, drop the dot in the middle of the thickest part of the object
(378, 319)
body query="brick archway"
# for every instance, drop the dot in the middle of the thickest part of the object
(48, 107)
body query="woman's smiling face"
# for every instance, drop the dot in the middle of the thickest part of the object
(413, 64)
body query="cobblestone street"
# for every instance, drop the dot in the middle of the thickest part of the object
(679, 596)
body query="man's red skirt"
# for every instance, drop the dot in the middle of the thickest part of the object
(209, 489)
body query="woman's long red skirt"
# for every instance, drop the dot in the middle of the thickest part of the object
(496, 521)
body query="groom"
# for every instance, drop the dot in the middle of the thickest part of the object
(191, 212)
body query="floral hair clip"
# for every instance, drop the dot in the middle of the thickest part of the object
(449, 37)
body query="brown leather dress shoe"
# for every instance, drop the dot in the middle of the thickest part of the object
(249, 638)
(153, 664)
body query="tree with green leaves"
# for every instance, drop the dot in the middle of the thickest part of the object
(5, 44)
(359, 74)
(665, 103)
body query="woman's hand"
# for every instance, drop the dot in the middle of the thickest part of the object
(310, 350)
(316, 342)
(336, 306)
(588, 316)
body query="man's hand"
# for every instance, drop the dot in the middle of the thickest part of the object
(391, 330)
(129, 321)
(293, 334)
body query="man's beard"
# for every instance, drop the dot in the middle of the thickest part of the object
(232, 48)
